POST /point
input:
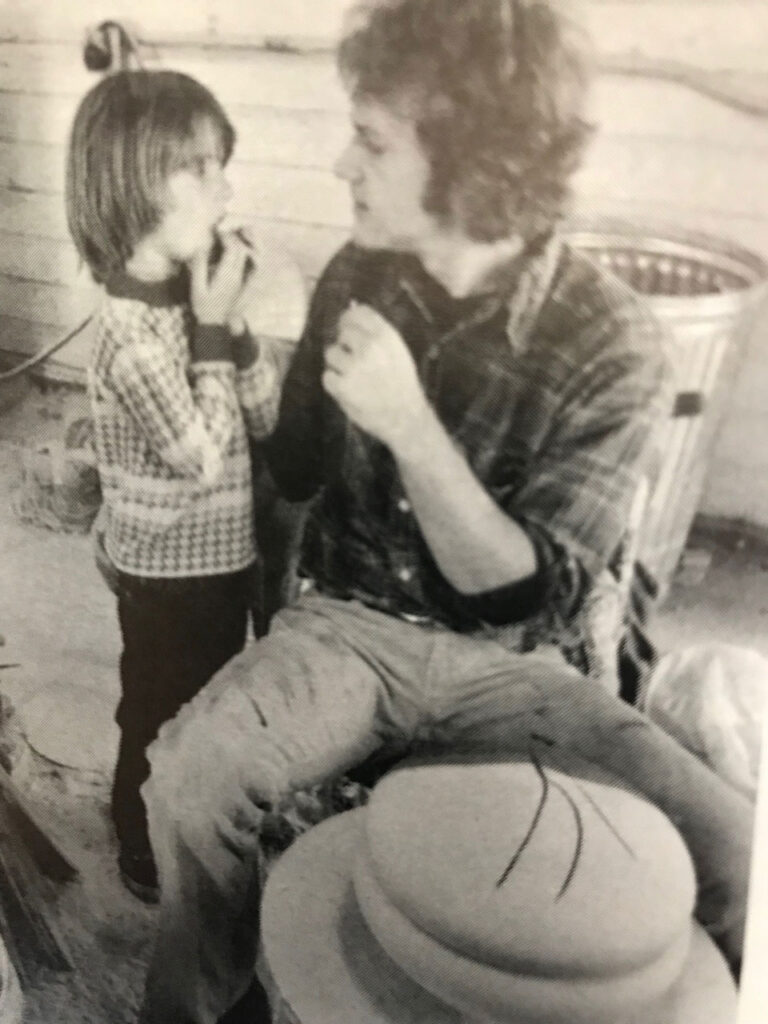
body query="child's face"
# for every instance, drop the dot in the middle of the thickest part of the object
(196, 201)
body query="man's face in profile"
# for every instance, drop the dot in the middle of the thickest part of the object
(387, 173)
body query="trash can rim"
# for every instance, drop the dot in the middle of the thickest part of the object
(659, 240)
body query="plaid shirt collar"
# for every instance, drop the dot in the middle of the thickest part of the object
(522, 284)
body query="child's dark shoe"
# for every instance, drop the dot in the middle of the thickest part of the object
(139, 875)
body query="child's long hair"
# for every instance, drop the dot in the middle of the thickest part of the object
(131, 132)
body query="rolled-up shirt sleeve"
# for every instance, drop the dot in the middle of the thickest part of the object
(296, 451)
(558, 582)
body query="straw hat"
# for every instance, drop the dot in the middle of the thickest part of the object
(517, 893)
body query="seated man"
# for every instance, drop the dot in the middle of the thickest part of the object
(471, 406)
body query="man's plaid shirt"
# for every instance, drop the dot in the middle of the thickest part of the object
(170, 434)
(551, 384)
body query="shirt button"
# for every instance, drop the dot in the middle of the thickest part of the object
(405, 575)
(404, 505)
(432, 354)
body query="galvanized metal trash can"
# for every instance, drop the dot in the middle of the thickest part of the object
(706, 292)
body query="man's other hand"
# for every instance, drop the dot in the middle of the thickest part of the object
(371, 374)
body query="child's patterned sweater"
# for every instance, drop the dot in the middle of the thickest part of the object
(173, 403)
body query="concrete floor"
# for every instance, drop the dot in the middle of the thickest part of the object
(58, 624)
(729, 603)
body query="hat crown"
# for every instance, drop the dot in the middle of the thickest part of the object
(526, 868)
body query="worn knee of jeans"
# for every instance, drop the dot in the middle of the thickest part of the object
(208, 792)
(165, 791)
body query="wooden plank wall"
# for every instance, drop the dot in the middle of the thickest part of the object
(662, 151)
(289, 115)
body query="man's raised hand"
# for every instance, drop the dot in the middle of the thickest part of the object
(371, 374)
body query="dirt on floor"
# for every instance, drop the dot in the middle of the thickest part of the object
(105, 932)
(58, 625)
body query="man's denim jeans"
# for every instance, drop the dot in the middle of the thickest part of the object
(333, 682)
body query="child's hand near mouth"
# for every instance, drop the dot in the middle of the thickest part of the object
(214, 289)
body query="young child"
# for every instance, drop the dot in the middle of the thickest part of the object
(175, 387)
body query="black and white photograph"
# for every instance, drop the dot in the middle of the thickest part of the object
(383, 512)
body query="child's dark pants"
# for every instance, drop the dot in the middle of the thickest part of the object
(176, 633)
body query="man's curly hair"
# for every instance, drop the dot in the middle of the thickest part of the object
(497, 90)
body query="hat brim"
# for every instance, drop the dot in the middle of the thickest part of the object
(327, 965)
(329, 969)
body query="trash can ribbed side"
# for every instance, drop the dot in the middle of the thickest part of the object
(706, 293)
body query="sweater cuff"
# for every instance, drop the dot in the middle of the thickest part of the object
(245, 350)
(211, 342)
